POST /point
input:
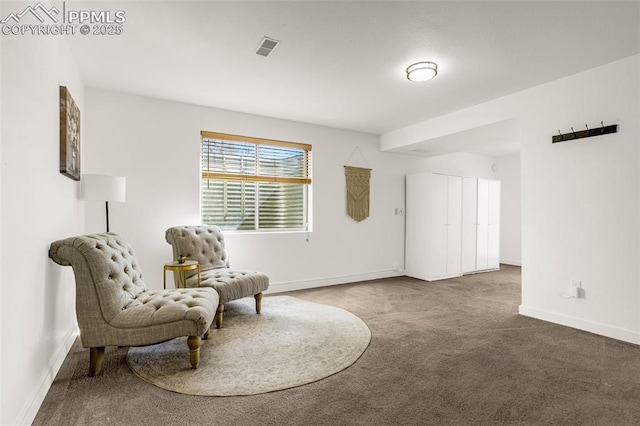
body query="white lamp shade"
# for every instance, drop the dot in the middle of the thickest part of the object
(103, 188)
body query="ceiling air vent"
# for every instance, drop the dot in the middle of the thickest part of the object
(266, 46)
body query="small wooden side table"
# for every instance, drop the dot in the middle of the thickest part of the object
(180, 268)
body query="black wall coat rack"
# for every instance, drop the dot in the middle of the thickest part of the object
(587, 133)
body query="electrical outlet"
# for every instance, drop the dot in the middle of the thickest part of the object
(574, 292)
(576, 286)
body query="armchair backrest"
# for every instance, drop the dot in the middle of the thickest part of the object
(108, 276)
(203, 243)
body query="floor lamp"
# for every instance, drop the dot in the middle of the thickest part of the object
(103, 188)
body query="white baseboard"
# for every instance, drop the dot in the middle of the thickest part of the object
(617, 333)
(514, 262)
(328, 281)
(30, 409)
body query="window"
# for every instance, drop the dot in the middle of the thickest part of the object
(254, 184)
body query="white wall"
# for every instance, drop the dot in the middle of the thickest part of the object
(156, 145)
(38, 206)
(1, 180)
(508, 172)
(462, 164)
(580, 199)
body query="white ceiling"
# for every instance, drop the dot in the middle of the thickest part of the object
(341, 64)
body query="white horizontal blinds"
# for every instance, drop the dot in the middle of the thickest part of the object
(229, 204)
(250, 183)
(229, 157)
(281, 206)
(278, 161)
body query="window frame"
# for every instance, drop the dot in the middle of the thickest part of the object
(257, 178)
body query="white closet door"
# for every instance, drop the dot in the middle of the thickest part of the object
(482, 245)
(418, 205)
(493, 234)
(439, 225)
(454, 225)
(469, 223)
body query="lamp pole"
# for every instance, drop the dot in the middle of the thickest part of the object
(106, 206)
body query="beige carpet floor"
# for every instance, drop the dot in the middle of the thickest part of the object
(452, 352)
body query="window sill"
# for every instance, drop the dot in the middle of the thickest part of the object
(266, 232)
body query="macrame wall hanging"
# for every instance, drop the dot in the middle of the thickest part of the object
(357, 179)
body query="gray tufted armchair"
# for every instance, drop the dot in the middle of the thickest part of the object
(113, 306)
(206, 245)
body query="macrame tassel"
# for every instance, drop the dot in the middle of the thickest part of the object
(357, 192)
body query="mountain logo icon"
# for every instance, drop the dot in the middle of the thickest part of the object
(38, 10)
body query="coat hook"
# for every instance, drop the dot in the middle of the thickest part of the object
(602, 124)
(574, 132)
(587, 126)
(559, 132)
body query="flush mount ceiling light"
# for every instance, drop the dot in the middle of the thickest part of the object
(422, 71)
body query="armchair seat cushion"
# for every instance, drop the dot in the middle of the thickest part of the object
(231, 284)
(159, 307)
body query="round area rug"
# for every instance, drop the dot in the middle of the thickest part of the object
(291, 343)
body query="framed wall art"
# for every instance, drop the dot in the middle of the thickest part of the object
(69, 135)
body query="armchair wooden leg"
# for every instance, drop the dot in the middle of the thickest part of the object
(194, 343)
(258, 302)
(219, 315)
(207, 334)
(96, 356)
